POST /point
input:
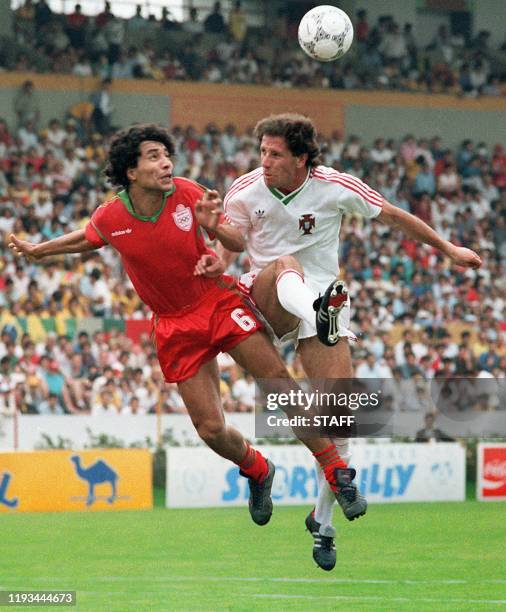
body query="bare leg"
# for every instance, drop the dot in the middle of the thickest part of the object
(325, 362)
(201, 395)
(259, 357)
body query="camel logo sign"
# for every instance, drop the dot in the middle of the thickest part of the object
(97, 473)
(90, 480)
(491, 477)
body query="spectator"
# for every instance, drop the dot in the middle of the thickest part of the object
(102, 107)
(76, 27)
(104, 404)
(193, 26)
(362, 27)
(214, 22)
(369, 368)
(7, 406)
(82, 66)
(114, 32)
(429, 433)
(243, 390)
(237, 23)
(425, 181)
(448, 181)
(51, 406)
(103, 18)
(137, 22)
(167, 21)
(26, 105)
(393, 46)
(43, 15)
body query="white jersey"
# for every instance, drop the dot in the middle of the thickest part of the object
(304, 223)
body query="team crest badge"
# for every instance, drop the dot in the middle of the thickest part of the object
(183, 217)
(306, 224)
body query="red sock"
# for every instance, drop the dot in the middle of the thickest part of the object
(329, 460)
(254, 464)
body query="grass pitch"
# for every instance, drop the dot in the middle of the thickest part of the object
(441, 556)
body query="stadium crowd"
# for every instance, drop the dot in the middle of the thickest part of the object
(417, 317)
(226, 48)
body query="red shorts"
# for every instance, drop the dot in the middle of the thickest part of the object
(186, 341)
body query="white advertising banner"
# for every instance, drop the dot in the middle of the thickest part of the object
(197, 477)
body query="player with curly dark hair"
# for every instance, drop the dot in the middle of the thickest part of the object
(124, 150)
(154, 223)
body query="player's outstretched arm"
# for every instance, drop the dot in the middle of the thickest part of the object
(74, 242)
(419, 230)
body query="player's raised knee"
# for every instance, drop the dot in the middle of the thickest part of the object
(287, 262)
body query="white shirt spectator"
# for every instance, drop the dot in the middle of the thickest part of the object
(82, 68)
(393, 45)
(418, 349)
(115, 31)
(21, 280)
(99, 409)
(369, 369)
(28, 138)
(244, 390)
(56, 135)
(72, 165)
(7, 406)
(381, 155)
(7, 222)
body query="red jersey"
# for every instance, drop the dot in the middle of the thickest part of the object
(159, 253)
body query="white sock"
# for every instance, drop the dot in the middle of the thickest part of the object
(326, 499)
(295, 296)
(343, 448)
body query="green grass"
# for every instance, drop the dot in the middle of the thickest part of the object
(217, 559)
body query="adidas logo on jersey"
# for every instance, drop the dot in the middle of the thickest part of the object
(121, 232)
(260, 214)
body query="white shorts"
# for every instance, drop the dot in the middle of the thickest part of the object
(304, 329)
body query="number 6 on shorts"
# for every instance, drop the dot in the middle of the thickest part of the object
(242, 319)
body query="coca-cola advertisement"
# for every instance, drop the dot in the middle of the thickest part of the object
(491, 478)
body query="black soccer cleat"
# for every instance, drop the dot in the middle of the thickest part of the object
(328, 306)
(352, 502)
(324, 549)
(260, 501)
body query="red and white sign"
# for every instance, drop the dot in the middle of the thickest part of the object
(491, 477)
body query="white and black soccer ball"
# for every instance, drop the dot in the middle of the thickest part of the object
(325, 33)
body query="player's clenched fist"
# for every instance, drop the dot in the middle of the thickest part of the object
(210, 266)
(208, 210)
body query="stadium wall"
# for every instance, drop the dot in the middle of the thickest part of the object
(33, 432)
(367, 114)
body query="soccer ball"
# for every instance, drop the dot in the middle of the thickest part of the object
(325, 33)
